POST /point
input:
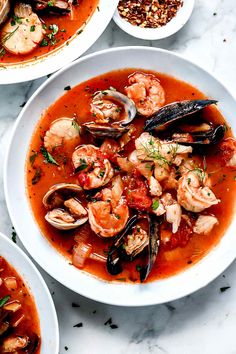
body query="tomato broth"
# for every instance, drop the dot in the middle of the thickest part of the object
(76, 103)
(24, 322)
(68, 26)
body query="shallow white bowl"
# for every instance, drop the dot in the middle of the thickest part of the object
(38, 288)
(67, 53)
(170, 28)
(56, 265)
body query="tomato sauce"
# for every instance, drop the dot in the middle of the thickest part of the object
(76, 102)
(69, 25)
(29, 326)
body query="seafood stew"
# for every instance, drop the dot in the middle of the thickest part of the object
(19, 324)
(31, 29)
(131, 175)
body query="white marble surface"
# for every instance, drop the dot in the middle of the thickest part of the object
(203, 322)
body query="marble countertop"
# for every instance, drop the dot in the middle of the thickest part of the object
(202, 322)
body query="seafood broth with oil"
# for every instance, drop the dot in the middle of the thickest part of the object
(126, 204)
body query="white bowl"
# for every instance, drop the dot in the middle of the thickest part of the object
(67, 53)
(55, 264)
(170, 28)
(38, 288)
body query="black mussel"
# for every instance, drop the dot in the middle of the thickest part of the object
(174, 111)
(211, 137)
(132, 241)
(33, 345)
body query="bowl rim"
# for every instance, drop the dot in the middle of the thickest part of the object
(179, 21)
(33, 273)
(219, 268)
(65, 54)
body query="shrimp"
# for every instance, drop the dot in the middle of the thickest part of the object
(109, 215)
(60, 131)
(194, 193)
(94, 168)
(146, 92)
(162, 152)
(25, 34)
(173, 211)
(205, 224)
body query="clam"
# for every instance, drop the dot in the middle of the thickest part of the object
(4, 10)
(116, 119)
(65, 209)
(132, 242)
(173, 112)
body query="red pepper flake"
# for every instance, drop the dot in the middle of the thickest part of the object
(149, 13)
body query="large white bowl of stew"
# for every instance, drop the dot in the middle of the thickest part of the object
(39, 37)
(122, 199)
(28, 317)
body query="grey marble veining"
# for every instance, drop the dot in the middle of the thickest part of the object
(202, 322)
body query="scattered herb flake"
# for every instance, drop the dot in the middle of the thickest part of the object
(67, 88)
(33, 157)
(109, 321)
(224, 288)
(113, 326)
(37, 175)
(4, 300)
(48, 157)
(78, 325)
(13, 236)
(155, 204)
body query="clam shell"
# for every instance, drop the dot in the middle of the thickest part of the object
(58, 187)
(65, 226)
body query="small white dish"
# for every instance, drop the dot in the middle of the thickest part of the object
(49, 258)
(46, 311)
(151, 34)
(67, 53)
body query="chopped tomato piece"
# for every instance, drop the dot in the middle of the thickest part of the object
(227, 149)
(83, 179)
(181, 237)
(137, 194)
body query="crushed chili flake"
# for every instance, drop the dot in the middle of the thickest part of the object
(149, 13)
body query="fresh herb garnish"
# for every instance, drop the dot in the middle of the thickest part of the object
(83, 165)
(33, 157)
(138, 268)
(4, 300)
(48, 157)
(155, 204)
(67, 88)
(44, 43)
(32, 28)
(76, 125)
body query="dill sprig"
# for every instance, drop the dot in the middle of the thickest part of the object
(6, 38)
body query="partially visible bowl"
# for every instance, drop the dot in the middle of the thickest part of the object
(38, 288)
(170, 28)
(64, 55)
(55, 264)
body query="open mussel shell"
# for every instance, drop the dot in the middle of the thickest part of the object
(123, 100)
(174, 111)
(116, 252)
(100, 131)
(64, 226)
(59, 187)
(206, 138)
